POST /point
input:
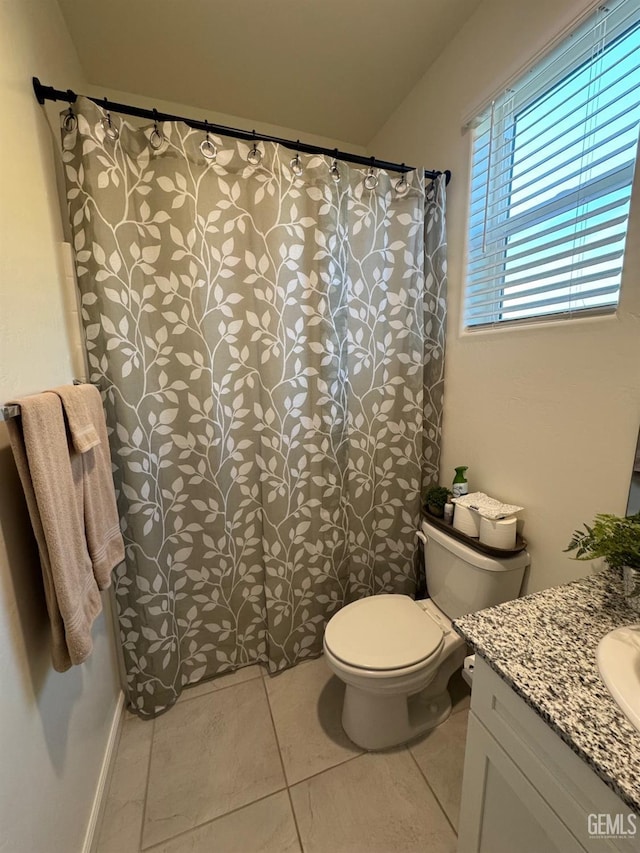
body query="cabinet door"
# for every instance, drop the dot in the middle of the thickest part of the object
(566, 782)
(501, 811)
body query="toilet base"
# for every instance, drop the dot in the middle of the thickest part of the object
(390, 720)
(381, 720)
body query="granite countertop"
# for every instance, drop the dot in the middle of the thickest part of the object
(544, 647)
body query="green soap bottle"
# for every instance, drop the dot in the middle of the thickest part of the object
(460, 485)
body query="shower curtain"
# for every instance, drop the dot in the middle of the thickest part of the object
(270, 350)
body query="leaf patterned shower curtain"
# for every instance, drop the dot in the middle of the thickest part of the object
(270, 348)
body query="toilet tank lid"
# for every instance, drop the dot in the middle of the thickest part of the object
(475, 558)
(383, 632)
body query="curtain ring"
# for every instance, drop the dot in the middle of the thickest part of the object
(402, 185)
(371, 180)
(255, 155)
(296, 163)
(207, 147)
(70, 121)
(156, 138)
(333, 170)
(110, 131)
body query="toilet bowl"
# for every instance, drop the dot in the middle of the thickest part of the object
(396, 655)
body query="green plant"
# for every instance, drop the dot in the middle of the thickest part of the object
(612, 537)
(435, 499)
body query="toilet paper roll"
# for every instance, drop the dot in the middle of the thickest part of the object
(499, 532)
(466, 521)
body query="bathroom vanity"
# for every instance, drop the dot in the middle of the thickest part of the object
(551, 764)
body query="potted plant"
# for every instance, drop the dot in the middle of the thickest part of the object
(435, 499)
(617, 540)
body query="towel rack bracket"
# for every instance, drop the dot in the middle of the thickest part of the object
(8, 412)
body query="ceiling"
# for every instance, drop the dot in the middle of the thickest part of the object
(336, 68)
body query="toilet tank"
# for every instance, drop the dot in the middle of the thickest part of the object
(461, 580)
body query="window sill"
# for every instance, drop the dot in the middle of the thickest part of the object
(540, 323)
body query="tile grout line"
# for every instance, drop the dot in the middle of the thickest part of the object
(287, 785)
(275, 734)
(327, 769)
(295, 820)
(184, 697)
(146, 787)
(435, 796)
(143, 849)
(284, 772)
(207, 822)
(319, 772)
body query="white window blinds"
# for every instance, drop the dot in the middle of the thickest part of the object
(553, 162)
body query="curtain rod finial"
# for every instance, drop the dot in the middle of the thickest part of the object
(38, 88)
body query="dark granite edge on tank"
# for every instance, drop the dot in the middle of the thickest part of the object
(544, 647)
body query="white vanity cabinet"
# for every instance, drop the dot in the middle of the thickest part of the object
(525, 791)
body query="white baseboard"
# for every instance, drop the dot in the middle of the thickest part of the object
(91, 836)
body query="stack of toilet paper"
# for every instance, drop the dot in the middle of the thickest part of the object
(466, 520)
(498, 532)
(479, 516)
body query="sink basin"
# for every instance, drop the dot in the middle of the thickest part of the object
(618, 657)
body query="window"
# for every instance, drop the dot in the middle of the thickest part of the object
(553, 162)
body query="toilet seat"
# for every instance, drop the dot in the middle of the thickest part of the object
(383, 633)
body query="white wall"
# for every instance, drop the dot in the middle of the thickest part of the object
(545, 416)
(53, 727)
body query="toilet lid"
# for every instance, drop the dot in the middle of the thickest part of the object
(383, 632)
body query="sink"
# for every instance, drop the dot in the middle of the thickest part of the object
(618, 657)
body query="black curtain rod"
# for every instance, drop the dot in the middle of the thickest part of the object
(48, 93)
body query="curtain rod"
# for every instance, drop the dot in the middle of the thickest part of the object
(48, 93)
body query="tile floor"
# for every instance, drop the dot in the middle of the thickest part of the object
(249, 763)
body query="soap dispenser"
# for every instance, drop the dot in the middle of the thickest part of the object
(460, 484)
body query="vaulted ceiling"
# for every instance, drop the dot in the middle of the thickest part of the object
(336, 68)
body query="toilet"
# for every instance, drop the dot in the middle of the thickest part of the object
(396, 655)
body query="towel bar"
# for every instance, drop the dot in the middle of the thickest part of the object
(12, 411)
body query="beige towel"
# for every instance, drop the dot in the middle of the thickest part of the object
(83, 407)
(49, 471)
(76, 402)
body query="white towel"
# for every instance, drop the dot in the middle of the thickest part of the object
(486, 506)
